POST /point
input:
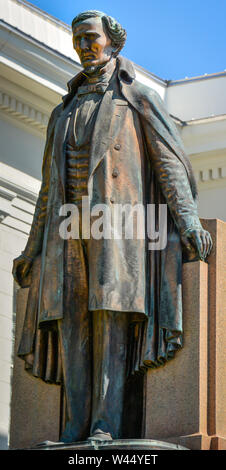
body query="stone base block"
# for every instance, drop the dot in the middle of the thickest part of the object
(192, 441)
(35, 406)
(176, 400)
(115, 444)
(218, 443)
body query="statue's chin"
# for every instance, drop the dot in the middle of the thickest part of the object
(93, 69)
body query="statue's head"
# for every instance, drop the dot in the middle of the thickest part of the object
(97, 38)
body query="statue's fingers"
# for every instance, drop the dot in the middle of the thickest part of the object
(24, 270)
(210, 243)
(198, 243)
(14, 275)
(205, 245)
(14, 271)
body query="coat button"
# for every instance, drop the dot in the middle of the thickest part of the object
(117, 146)
(115, 172)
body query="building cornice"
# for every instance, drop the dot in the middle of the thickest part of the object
(19, 33)
(44, 14)
(18, 196)
(142, 74)
(195, 122)
(199, 78)
(24, 112)
(67, 28)
(206, 120)
(211, 174)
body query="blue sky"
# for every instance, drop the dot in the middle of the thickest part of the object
(171, 38)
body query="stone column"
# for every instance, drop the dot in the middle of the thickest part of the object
(217, 334)
(176, 400)
(186, 398)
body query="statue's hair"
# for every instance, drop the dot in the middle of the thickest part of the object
(115, 31)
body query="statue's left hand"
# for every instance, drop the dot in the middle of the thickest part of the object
(199, 239)
(21, 268)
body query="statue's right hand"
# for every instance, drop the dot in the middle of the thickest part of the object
(21, 268)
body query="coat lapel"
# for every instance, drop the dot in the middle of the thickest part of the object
(101, 138)
(101, 134)
(59, 141)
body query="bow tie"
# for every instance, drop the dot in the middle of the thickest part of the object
(92, 88)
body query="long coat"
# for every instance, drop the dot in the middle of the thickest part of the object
(135, 136)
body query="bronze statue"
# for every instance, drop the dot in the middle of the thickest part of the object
(103, 310)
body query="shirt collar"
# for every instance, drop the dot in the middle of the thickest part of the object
(126, 73)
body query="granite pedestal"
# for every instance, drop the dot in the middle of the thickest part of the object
(185, 399)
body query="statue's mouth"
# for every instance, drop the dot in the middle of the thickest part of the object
(88, 57)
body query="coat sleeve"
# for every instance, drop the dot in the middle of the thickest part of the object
(172, 178)
(34, 243)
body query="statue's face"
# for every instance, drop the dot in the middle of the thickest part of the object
(92, 43)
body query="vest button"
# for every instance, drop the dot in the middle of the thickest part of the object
(117, 147)
(115, 172)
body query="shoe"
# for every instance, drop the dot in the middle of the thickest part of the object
(99, 435)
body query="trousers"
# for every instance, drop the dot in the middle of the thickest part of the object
(94, 354)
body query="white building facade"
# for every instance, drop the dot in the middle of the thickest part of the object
(36, 61)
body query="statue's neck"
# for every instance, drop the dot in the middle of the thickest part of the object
(100, 73)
